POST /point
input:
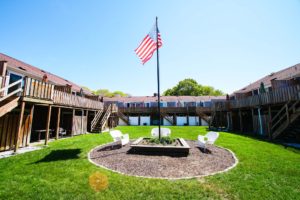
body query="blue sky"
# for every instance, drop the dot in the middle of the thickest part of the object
(226, 44)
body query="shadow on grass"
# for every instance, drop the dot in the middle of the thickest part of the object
(58, 155)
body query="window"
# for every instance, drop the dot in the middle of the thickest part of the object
(13, 77)
(269, 89)
(255, 92)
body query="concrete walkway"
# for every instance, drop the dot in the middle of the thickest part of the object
(6, 154)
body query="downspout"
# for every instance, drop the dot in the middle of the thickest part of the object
(260, 122)
(228, 122)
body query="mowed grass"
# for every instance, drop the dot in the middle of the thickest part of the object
(62, 170)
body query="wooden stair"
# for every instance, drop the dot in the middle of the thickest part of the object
(123, 117)
(10, 100)
(285, 119)
(100, 120)
(8, 105)
(212, 120)
(167, 117)
(105, 118)
(96, 119)
(292, 133)
(203, 116)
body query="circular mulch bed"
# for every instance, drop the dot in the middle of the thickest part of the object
(198, 163)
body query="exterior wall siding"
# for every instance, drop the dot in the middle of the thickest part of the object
(193, 120)
(145, 120)
(134, 121)
(167, 123)
(181, 120)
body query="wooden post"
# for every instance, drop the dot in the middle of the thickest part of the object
(270, 122)
(48, 124)
(174, 120)
(30, 124)
(231, 123)
(82, 113)
(87, 120)
(187, 116)
(25, 86)
(73, 116)
(20, 122)
(57, 123)
(139, 120)
(3, 67)
(253, 121)
(241, 120)
(287, 113)
(200, 122)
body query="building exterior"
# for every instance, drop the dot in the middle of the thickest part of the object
(175, 110)
(38, 105)
(282, 79)
(269, 107)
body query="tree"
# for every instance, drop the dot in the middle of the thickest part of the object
(107, 93)
(103, 92)
(190, 87)
(86, 88)
(119, 94)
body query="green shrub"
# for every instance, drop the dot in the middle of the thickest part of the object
(162, 140)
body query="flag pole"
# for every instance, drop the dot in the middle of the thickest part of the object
(158, 85)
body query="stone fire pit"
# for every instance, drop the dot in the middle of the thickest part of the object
(141, 145)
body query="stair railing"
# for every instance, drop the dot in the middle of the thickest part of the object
(167, 117)
(203, 115)
(284, 112)
(96, 119)
(6, 88)
(105, 117)
(283, 115)
(123, 117)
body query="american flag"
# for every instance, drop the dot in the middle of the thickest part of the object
(148, 45)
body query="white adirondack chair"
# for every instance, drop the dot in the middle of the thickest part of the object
(209, 138)
(118, 136)
(165, 132)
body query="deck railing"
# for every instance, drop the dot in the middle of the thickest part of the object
(114, 108)
(1, 80)
(163, 109)
(275, 97)
(220, 105)
(38, 89)
(62, 98)
(15, 87)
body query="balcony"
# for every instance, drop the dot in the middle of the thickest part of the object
(278, 96)
(42, 92)
(173, 110)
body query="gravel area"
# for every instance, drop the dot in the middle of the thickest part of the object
(197, 163)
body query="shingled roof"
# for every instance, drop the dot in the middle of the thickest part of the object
(39, 73)
(285, 74)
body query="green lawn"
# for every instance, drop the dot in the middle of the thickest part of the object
(61, 171)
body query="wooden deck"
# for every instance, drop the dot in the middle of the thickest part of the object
(173, 110)
(42, 92)
(278, 96)
(65, 99)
